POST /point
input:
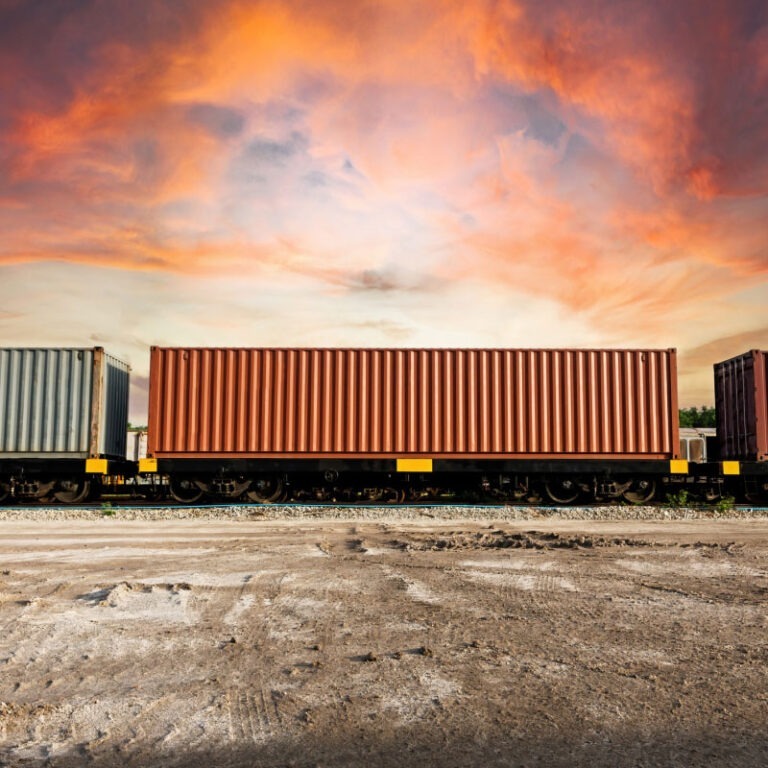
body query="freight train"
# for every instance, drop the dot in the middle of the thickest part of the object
(376, 425)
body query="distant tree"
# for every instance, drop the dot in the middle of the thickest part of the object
(698, 417)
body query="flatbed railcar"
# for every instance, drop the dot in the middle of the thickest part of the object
(385, 423)
(63, 419)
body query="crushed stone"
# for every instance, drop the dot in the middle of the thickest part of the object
(242, 512)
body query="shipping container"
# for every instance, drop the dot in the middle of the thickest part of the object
(62, 404)
(741, 401)
(449, 403)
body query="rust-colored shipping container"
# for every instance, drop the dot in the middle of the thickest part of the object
(363, 403)
(741, 400)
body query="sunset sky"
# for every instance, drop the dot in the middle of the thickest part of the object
(487, 173)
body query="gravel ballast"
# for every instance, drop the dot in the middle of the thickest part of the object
(333, 512)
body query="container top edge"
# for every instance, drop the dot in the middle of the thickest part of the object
(748, 353)
(415, 349)
(67, 349)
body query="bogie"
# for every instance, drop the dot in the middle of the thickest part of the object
(73, 490)
(267, 489)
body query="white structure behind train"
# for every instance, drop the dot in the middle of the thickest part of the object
(136, 444)
(693, 443)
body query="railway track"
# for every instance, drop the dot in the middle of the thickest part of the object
(113, 507)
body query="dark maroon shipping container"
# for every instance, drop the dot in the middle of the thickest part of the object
(363, 403)
(741, 400)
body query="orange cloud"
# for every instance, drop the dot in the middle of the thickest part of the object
(93, 145)
(629, 268)
(589, 154)
(648, 76)
(140, 251)
(599, 67)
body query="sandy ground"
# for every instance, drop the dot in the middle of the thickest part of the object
(383, 643)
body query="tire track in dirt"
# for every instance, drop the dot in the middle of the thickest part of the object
(135, 731)
(242, 620)
(93, 615)
(253, 717)
(25, 668)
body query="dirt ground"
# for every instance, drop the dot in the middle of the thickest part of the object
(384, 643)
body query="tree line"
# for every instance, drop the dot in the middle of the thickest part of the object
(698, 417)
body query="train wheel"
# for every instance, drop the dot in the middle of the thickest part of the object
(148, 492)
(393, 495)
(184, 491)
(640, 491)
(72, 491)
(5, 492)
(756, 493)
(266, 490)
(562, 490)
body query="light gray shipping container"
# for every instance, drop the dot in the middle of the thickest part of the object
(62, 403)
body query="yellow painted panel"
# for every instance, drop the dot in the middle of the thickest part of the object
(731, 468)
(96, 466)
(414, 465)
(148, 465)
(678, 466)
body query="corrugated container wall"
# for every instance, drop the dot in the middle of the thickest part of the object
(65, 403)
(429, 402)
(741, 401)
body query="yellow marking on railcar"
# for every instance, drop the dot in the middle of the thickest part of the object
(731, 468)
(96, 466)
(414, 465)
(678, 466)
(148, 466)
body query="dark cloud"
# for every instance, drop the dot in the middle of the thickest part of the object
(377, 280)
(280, 112)
(543, 125)
(221, 122)
(265, 160)
(386, 280)
(51, 49)
(316, 179)
(681, 87)
(272, 152)
(147, 159)
(726, 50)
